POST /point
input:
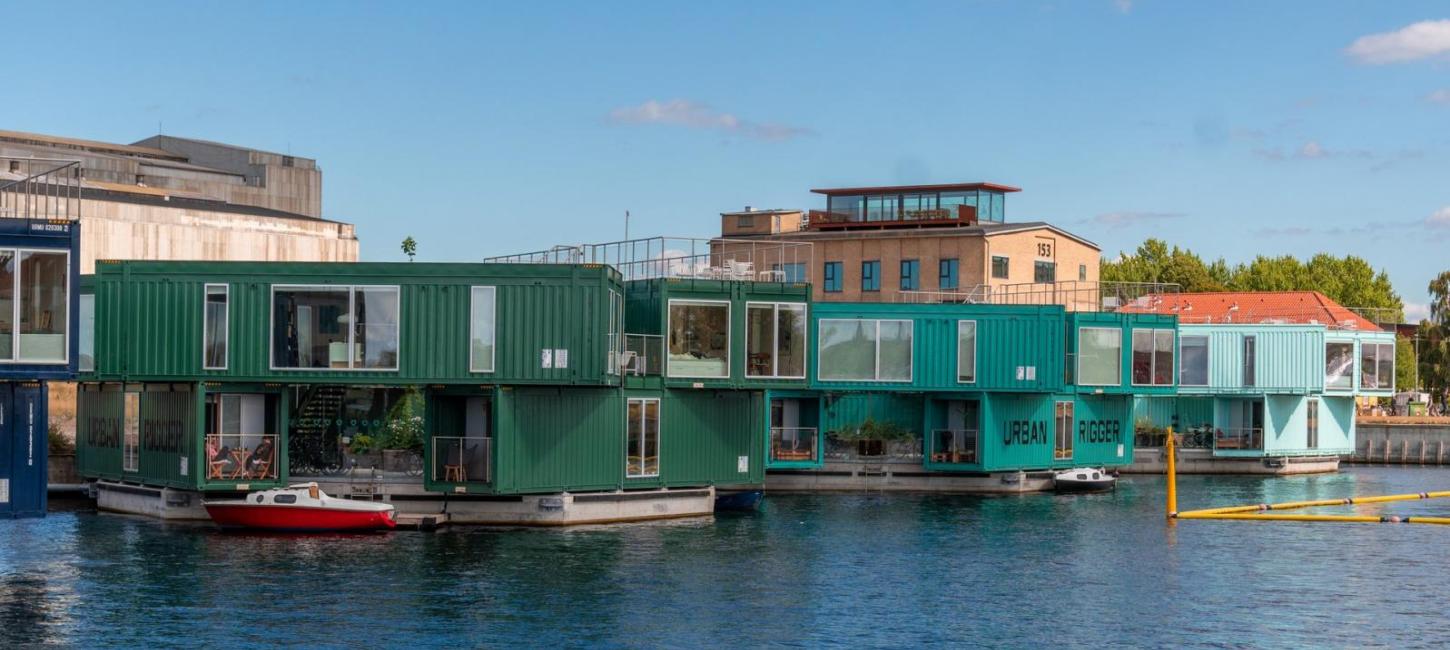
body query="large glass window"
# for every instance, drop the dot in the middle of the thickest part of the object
(1251, 345)
(87, 334)
(966, 351)
(775, 340)
(699, 339)
(999, 267)
(642, 454)
(34, 299)
(831, 277)
(1100, 356)
(1044, 272)
(214, 327)
(1193, 360)
(481, 328)
(1152, 357)
(338, 328)
(1377, 366)
(910, 274)
(865, 350)
(947, 274)
(1339, 365)
(871, 275)
(1062, 431)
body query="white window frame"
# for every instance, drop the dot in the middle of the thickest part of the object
(15, 309)
(226, 325)
(910, 326)
(1152, 358)
(612, 335)
(1078, 377)
(1359, 359)
(775, 327)
(729, 335)
(130, 443)
(659, 434)
(975, 348)
(1207, 358)
(351, 290)
(492, 349)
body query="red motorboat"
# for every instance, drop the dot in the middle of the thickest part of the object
(300, 508)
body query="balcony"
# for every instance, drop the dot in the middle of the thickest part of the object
(1238, 440)
(241, 457)
(954, 446)
(957, 215)
(793, 444)
(643, 355)
(459, 460)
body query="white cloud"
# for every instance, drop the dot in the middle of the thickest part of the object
(683, 112)
(1439, 219)
(1416, 312)
(1129, 218)
(1418, 41)
(1441, 96)
(1124, 6)
(1312, 150)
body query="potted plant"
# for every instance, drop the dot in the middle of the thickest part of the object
(872, 436)
(403, 434)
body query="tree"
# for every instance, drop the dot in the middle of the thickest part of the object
(1154, 262)
(410, 247)
(1406, 372)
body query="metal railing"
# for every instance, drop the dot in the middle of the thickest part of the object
(461, 459)
(1075, 295)
(954, 445)
(873, 450)
(241, 457)
(40, 188)
(644, 355)
(682, 257)
(793, 444)
(1238, 439)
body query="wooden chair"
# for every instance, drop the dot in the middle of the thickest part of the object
(454, 470)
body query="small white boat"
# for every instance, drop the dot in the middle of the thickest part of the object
(300, 508)
(1083, 479)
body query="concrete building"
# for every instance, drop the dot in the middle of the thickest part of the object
(922, 243)
(170, 198)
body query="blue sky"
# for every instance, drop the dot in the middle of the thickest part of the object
(1234, 128)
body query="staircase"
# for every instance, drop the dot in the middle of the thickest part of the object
(307, 442)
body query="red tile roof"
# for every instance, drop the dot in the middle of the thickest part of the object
(1252, 307)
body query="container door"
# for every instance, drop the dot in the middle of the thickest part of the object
(28, 406)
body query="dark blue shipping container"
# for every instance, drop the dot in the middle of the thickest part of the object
(48, 343)
(23, 444)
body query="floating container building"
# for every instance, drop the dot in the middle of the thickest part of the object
(39, 256)
(1268, 382)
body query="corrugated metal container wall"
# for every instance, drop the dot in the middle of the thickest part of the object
(1017, 349)
(98, 431)
(23, 449)
(1017, 432)
(168, 437)
(1102, 431)
(552, 440)
(840, 411)
(1289, 358)
(148, 323)
(706, 437)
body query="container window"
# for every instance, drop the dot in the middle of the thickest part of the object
(1313, 424)
(999, 267)
(699, 339)
(336, 328)
(43, 288)
(1100, 356)
(966, 351)
(1193, 360)
(1250, 357)
(131, 432)
(1152, 357)
(214, 327)
(7, 304)
(87, 335)
(613, 339)
(1339, 366)
(642, 454)
(865, 350)
(1377, 366)
(1062, 431)
(482, 329)
(775, 340)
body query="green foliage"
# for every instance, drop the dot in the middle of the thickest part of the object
(1405, 374)
(361, 444)
(873, 429)
(404, 428)
(1349, 280)
(57, 442)
(410, 247)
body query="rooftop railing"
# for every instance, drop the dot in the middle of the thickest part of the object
(1075, 295)
(675, 257)
(39, 188)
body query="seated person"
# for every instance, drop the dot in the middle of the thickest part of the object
(262, 454)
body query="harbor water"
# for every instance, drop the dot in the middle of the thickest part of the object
(808, 570)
